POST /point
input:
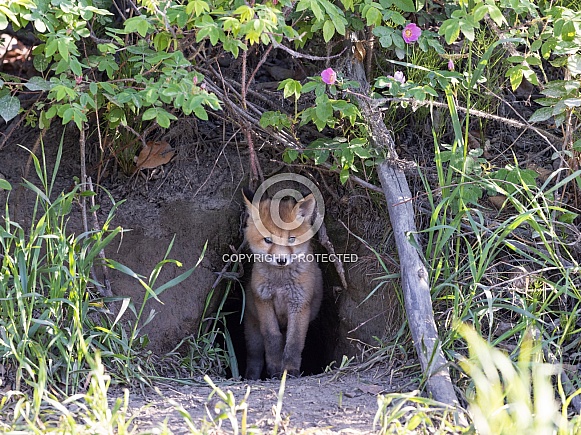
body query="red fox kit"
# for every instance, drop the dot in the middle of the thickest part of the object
(286, 286)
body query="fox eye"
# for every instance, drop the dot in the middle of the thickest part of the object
(268, 240)
(291, 239)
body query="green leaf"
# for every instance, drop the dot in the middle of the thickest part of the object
(574, 64)
(323, 109)
(536, 45)
(373, 16)
(515, 74)
(5, 185)
(319, 15)
(568, 31)
(572, 102)
(41, 62)
(63, 48)
(397, 18)
(328, 30)
(163, 119)
(291, 87)
(344, 175)
(467, 30)
(290, 155)
(321, 156)
(201, 113)
(405, 5)
(274, 119)
(450, 29)
(361, 152)
(541, 114)
(197, 6)
(533, 60)
(137, 24)
(496, 15)
(480, 11)
(246, 13)
(37, 83)
(9, 107)
(76, 67)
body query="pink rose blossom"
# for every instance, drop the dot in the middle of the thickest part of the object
(411, 33)
(451, 65)
(329, 76)
(399, 77)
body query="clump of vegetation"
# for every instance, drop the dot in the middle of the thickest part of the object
(57, 336)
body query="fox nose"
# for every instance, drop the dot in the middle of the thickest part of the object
(281, 261)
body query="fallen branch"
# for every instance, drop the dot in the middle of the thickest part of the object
(414, 276)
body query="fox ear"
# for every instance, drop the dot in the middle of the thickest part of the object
(248, 195)
(305, 207)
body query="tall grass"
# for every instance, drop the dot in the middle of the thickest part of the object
(501, 272)
(54, 327)
(45, 301)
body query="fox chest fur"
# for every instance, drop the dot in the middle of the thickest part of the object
(286, 286)
(290, 289)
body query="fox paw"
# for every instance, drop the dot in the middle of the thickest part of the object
(293, 373)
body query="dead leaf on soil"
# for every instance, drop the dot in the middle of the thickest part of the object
(154, 154)
(544, 173)
(370, 389)
(473, 140)
(497, 201)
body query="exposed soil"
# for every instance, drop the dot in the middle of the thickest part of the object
(326, 403)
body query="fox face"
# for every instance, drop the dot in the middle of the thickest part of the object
(279, 230)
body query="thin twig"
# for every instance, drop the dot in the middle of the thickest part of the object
(104, 290)
(511, 122)
(243, 79)
(302, 55)
(328, 245)
(260, 63)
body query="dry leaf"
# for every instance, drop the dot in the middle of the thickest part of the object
(543, 172)
(155, 154)
(370, 388)
(473, 140)
(497, 201)
(359, 50)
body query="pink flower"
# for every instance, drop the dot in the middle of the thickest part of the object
(399, 77)
(329, 76)
(411, 33)
(78, 80)
(451, 65)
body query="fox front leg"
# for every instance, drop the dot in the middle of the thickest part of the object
(296, 333)
(254, 347)
(272, 337)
